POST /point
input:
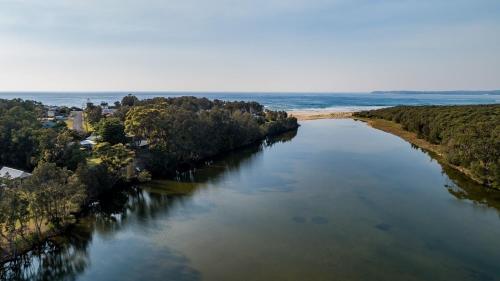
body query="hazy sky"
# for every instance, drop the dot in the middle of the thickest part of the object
(249, 45)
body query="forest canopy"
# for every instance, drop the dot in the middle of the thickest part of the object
(185, 130)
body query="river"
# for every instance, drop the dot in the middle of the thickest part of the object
(338, 201)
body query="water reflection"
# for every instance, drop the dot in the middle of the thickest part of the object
(65, 258)
(463, 188)
(55, 260)
(323, 205)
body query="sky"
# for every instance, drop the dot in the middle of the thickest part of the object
(249, 45)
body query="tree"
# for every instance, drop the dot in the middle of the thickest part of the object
(14, 217)
(60, 147)
(96, 179)
(112, 130)
(183, 131)
(57, 193)
(93, 113)
(129, 100)
(18, 129)
(115, 158)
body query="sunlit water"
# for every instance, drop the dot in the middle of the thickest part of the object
(339, 201)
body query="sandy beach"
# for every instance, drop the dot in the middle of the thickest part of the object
(302, 115)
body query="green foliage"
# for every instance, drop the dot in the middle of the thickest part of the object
(111, 130)
(60, 147)
(181, 131)
(93, 113)
(115, 158)
(470, 134)
(129, 100)
(58, 193)
(23, 141)
(18, 129)
(96, 179)
(278, 122)
(14, 217)
(144, 176)
(50, 196)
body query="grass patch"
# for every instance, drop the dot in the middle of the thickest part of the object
(69, 123)
(87, 127)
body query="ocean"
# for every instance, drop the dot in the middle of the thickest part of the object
(277, 101)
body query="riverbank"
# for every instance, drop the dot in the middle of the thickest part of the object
(302, 115)
(29, 243)
(437, 151)
(189, 228)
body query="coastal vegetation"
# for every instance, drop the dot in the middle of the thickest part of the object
(183, 131)
(134, 140)
(467, 137)
(24, 141)
(37, 207)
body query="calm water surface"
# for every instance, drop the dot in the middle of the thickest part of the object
(339, 201)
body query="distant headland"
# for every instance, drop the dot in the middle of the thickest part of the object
(468, 92)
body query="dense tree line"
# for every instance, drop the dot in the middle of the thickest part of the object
(182, 131)
(470, 135)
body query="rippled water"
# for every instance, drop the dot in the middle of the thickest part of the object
(338, 201)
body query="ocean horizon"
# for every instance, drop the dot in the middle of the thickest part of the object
(289, 101)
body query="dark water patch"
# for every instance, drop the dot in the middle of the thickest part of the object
(319, 220)
(436, 244)
(478, 275)
(299, 219)
(383, 226)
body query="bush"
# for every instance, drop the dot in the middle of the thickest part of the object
(144, 176)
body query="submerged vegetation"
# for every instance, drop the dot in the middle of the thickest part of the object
(468, 136)
(132, 140)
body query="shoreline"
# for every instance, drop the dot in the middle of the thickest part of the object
(303, 115)
(434, 149)
(388, 127)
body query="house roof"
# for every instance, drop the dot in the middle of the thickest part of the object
(12, 173)
(87, 142)
(92, 138)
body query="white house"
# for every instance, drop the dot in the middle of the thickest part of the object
(11, 173)
(88, 143)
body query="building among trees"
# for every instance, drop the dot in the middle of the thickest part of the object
(11, 173)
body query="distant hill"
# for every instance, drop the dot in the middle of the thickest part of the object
(493, 92)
